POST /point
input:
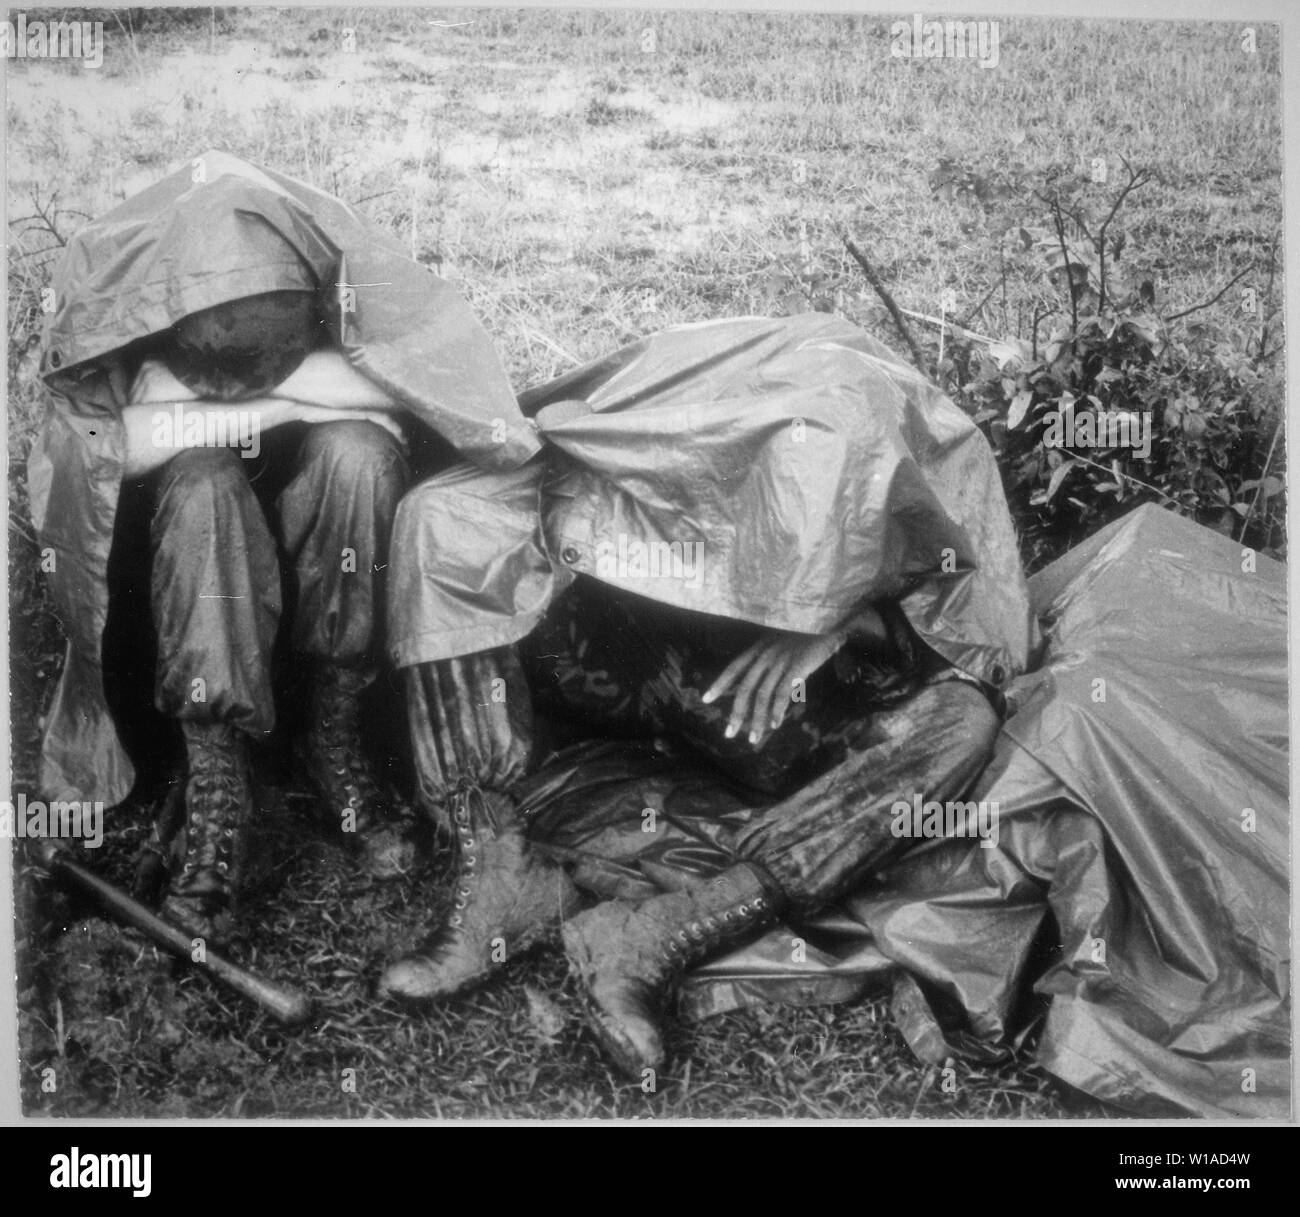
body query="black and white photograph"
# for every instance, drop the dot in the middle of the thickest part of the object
(699, 564)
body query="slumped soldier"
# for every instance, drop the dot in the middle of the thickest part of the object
(311, 509)
(853, 545)
(224, 358)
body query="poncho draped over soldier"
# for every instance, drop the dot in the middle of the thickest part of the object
(217, 230)
(783, 472)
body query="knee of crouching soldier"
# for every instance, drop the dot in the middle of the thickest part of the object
(201, 480)
(351, 449)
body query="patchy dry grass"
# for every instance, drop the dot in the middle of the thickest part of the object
(581, 193)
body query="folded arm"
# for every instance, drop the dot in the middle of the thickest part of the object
(164, 415)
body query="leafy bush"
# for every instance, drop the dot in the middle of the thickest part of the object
(1094, 402)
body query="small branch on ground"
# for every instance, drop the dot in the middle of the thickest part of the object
(959, 330)
(1263, 478)
(1128, 477)
(1067, 266)
(44, 218)
(883, 292)
(988, 295)
(1268, 296)
(1196, 308)
(1137, 178)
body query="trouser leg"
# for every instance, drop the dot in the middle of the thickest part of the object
(471, 721)
(215, 592)
(215, 589)
(799, 855)
(822, 841)
(471, 726)
(335, 519)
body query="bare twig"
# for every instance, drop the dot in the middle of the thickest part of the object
(1196, 308)
(1268, 296)
(1263, 477)
(960, 330)
(1136, 179)
(1039, 318)
(987, 296)
(46, 218)
(1059, 223)
(883, 292)
(1002, 262)
(1128, 477)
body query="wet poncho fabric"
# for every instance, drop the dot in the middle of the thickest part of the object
(1131, 914)
(779, 471)
(221, 229)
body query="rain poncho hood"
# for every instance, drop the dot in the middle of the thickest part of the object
(221, 229)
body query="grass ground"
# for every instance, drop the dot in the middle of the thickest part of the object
(581, 192)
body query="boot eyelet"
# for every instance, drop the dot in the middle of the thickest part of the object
(457, 922)
(223, 867)
(743, 910)
(460, 905)
(469, 842)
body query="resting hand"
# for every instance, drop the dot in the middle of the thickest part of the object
(760, 678)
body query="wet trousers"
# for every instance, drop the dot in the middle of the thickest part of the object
(607, 665)
(231, 544)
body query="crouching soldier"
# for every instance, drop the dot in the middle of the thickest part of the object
(772, 572)
(227, 357)
(289, 492)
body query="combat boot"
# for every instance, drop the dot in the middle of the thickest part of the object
(627, 957)
(508, 899)
(209, 847)
(376, 826)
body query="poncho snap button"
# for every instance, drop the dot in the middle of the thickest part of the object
(570, 555)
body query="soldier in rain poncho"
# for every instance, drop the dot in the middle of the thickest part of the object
(229, 313)
(764, 544)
